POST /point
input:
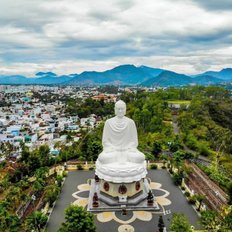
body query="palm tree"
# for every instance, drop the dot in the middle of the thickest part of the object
(36, 221)
(51, 193)
(178, 160)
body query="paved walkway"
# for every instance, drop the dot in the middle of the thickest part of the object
(114, 222)
(175, 125)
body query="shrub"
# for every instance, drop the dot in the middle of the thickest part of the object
(192, 199)
(91, 168)
(177, 178)
(65, 174)
(183, 188)
(163, 167)
(187, 194)
(154, 166)
(79, 167)
(59, 180)
(149, 156)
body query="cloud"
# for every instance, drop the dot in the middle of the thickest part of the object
(215, 5)
(71, 35)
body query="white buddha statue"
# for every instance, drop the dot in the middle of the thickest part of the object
(120, 159)
(120, 139)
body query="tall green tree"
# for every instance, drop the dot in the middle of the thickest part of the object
(51, 193)
(209, 219)
(179, 223)
(36, 221)
(77, 220)
(93, 149)
(156, 148)
(8, 221)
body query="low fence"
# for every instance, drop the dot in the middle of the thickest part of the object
(73, 165)
(199, 183)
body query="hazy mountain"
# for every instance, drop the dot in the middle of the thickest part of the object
(42, 74)
(124, 75)
(14, 79)
(50, 78)
(206, 80)
(224, 74)
(152, 71)
(42, 78)
(168, 78)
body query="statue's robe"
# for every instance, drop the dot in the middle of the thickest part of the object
(119, 134)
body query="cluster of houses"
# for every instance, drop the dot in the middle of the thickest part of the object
(24, 118)
(34, 123)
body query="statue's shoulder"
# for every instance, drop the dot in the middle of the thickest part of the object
(109, 120)
(129, 120)
(125, 119)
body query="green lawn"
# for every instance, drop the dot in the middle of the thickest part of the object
(179, 102)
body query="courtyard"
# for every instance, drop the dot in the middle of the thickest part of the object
(169, 197)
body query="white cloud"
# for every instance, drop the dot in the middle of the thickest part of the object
(74, 35)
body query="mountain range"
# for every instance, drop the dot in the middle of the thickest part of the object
(124, 75)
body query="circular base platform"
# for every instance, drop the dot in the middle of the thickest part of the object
(121, 189)
(121, 172)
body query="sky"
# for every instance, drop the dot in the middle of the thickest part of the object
(71, 36)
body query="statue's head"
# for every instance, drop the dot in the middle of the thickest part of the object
(120, 108)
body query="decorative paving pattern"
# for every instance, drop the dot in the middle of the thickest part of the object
(161, 195)
(126, 228)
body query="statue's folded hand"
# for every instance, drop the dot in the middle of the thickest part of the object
(131, 147)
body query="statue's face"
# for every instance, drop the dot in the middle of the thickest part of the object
(120, 110)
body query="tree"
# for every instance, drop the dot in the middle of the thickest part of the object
(38, 185)
(178, 158)
(77, 220)
(179, 223)
(59, 180)
(228, 222)
(174, 146)
(8, 222)
(14, 196)
(51, 193)
(41, 175)
(177, 178)
(33, 161)
(157, 148)
(36, 221)
(209, 219)
(44, 155)
(93, 149)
